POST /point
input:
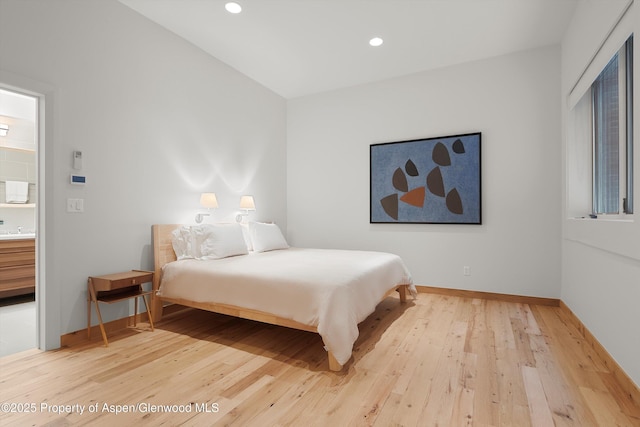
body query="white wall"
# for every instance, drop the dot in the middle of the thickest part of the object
(513, 100)
(601, 259)
(158, 122)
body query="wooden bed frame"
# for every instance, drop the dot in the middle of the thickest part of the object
(163, 253)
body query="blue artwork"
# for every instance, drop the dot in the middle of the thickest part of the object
(433, 180)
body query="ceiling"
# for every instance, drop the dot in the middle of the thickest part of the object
(302, 47)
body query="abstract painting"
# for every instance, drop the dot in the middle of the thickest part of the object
(427, 181)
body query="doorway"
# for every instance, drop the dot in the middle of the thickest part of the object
(19, 177)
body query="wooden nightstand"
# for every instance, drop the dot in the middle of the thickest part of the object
(116, 287)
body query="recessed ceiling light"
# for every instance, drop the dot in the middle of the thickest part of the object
(376, 41)
(233, 7)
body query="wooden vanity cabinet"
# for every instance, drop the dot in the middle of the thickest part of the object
(17, 267)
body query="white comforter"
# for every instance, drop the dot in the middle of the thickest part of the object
(333, 290)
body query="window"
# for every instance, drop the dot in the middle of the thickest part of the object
(612, 133)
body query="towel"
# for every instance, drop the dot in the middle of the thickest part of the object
(17, 192)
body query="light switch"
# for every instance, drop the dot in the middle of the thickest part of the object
(75, 205)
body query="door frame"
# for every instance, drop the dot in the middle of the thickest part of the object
(47, 294)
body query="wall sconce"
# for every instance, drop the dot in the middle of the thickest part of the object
(209, 201)
(4, 129)
(247, 204)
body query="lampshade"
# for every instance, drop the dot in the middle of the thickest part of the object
(246, 203)
(208, 200)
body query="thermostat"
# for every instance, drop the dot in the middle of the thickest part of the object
(78, 179)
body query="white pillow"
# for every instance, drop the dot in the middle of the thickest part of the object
(214, 241)
(266, 237)
(181, 242)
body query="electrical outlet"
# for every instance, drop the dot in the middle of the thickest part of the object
(466, 270)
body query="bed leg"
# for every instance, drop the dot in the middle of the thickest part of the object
(333, 363)
(156, 308)
(402, 290)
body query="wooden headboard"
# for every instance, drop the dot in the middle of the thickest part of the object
(162, 254)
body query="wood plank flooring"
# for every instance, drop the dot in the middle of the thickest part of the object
(436, 361)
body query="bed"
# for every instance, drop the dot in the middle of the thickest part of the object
(318, 290)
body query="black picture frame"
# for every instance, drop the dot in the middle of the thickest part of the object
(427, 181)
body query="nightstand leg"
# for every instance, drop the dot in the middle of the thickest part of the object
(104, 333)
(92, 296)
(95, 301)
(146, 305)
(89, 309)
(135, 311)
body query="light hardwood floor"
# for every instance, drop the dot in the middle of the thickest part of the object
(437, 360)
